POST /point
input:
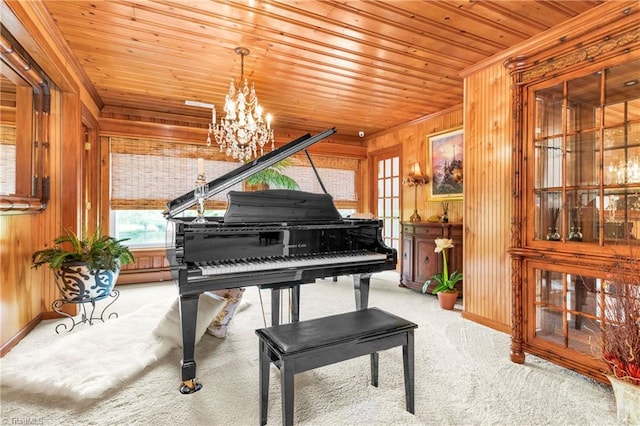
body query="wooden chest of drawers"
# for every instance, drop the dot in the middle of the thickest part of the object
(419, 262)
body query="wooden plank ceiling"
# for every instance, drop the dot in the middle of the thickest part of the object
(355, 65)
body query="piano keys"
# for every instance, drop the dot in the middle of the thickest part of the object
(273, 239)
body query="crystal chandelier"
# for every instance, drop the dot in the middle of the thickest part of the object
(242, 131)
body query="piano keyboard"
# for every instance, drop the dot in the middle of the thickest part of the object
(283, 262)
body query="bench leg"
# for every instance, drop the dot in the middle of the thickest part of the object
(286, 385)
(374, 369)
(409, 373)
(265, 364)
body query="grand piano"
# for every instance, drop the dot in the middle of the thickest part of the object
(274, 239)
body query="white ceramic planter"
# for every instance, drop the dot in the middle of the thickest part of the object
(77, 284)
(627, 401)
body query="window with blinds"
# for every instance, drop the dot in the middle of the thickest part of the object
(146, 174)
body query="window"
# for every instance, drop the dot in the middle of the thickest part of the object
(146, 174)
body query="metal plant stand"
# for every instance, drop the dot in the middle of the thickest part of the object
(58, 304)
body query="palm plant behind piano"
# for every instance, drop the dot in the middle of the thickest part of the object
(273, 177)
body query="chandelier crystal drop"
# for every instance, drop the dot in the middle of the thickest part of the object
(243, 131)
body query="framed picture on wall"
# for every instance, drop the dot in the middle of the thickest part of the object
(446, 151)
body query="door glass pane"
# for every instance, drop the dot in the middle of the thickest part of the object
(621, 159)
(622, 214)
(388, 199)
(622, 93)
(583, 102)
(549, 216)
(549, 305)
(583, 323)
(548, 114)
(568, 309)
(548, 154)
(583, 160)
(582, 216)
(395, 166)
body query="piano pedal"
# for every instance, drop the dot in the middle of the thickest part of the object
(190, 386)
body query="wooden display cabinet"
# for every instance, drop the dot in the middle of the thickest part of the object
(576, 188)
(419, 261)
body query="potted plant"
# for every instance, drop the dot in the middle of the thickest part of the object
(445, 288)
(273, 177)
(86, 268)
(621, 336)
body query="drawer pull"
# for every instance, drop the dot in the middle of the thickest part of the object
(426, 259)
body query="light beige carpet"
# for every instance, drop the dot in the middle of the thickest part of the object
(463, 374)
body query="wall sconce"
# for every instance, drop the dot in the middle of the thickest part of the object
(414, 179)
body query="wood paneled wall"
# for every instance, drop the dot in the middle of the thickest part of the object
(26, 294)
(485, 208)
(487, 198)
(411, 140)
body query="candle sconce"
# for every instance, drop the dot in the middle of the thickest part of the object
(200, 192)
(414, 179)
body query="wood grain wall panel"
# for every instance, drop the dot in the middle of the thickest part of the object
(16, 287)
(414, 145)
(487, 198)
(26, 293)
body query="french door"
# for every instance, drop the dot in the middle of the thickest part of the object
(387, 195)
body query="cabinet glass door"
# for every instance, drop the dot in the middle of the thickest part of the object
(586, 152)
(568, 310)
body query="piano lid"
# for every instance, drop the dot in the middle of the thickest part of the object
(215, 186)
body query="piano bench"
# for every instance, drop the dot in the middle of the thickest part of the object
(305, 345)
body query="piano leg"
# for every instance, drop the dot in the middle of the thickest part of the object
(295, 303)
(188, 317)
(361, 289)
(275, 304)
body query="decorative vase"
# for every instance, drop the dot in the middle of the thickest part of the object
(575, 234)
(627, 401)
(447, 299)
(553, 234)
(77, 284)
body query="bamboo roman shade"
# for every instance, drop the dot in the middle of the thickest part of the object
(145, 174)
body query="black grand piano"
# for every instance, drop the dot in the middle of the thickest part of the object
(274, 239)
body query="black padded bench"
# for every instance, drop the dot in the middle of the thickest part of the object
(305, 345)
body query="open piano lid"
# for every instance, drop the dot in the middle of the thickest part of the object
(182, 203)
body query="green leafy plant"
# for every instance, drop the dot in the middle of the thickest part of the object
(274, 177)
(445, 281)
(96, 250)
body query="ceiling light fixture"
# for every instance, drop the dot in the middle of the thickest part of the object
(242, 131)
